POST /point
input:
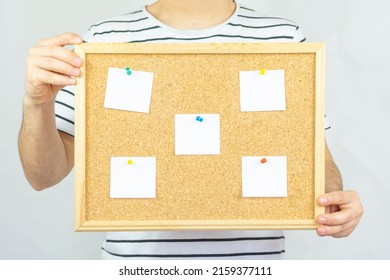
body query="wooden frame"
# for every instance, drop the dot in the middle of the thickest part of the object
(85, 219)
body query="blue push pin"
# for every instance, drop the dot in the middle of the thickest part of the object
(199, 119)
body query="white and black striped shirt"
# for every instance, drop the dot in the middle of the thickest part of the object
(245, 25)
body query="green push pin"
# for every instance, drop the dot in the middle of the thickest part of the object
(128, 70)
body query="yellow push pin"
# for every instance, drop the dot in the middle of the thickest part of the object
(262, 71)
(129, 162)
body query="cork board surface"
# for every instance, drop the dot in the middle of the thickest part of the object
(207, 187)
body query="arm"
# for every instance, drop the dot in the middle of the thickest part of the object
(47, 154)
(343, 208)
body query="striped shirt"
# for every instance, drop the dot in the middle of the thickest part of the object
(245, 25)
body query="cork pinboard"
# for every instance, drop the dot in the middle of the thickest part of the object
(200, 192)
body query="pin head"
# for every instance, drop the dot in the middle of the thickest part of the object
(262, 71)
(263, 160)
(199, 119)
(129, 162)
(128, 71)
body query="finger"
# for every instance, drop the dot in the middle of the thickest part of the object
(338, 218)
(336, 198)
(331, 209)
(59, 53)
(58, 66)
(344, 233)
(62, 40)
(337, 231)
(48, 77)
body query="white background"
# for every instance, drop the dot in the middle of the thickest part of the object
(39, 225)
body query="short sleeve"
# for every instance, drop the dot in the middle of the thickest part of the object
(64, 110)
(88, 36)
(326, 124)
(64, 103)
(299, 36)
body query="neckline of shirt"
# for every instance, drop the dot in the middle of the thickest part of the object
(192, 32)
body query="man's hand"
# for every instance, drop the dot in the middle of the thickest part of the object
(50, 67)
(342, 214)
(46, 154)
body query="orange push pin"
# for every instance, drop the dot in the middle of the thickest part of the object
(262, 71)
(263, 160)
(129, 162)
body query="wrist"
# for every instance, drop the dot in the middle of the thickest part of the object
(37, 103)
(40, 112)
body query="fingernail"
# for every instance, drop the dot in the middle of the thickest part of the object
(322, 220)
(77, 60)
(322, 230)
(323, 200)
(71, 81)
(77, 40)
(75, 72)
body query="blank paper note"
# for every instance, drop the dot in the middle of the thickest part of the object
(128, 92)
(197, 134)
(264, 176)
(133, 177)
(262, 92)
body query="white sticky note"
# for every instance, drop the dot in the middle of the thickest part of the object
(197, 137)
(135, 180)
(264, 176)
(128, 92)
(262, 92)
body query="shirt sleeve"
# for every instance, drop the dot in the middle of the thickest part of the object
(326, 124)
(299, 36)
(88, 36)
(64, 103)
(64, 110)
